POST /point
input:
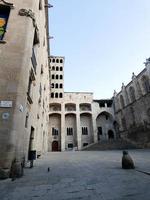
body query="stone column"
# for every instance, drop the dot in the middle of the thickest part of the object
(94, 130)
(63, 129)
(78, 128)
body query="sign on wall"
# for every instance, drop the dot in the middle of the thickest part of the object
(6, 104)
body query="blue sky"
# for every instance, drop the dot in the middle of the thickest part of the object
(103, 42)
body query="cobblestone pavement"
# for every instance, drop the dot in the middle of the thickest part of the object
(82, 176)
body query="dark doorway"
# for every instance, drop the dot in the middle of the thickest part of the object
(99, 133)
(31, 145)
(55, 146)
(110, 134)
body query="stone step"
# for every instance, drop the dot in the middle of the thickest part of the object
(119, 144)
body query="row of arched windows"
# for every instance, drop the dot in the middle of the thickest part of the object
(56, 60)
(56, 95)
(56, 85)
(131, 91)
(57, 76)
(57, 68)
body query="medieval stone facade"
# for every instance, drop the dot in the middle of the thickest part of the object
(24, 82)
(36, 115)
(75, 119)
(132, 108)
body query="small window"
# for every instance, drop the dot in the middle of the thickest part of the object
(26, 120)
(42, 71)
(56, 95)
(53, 68)
(70, 146)
(53, 76)
(61, 68)
(85, 144)
(54, 131)
(57, 60)
(56, 86)
(57, 76)
(61, 61)
(52, 95)
(61, 85)
(61, 76)
(33, 59)
(36, 39)
(60, 95)
(40, 4)
(52, 85)
(53, 60)
(4, 15)
(84, 131)
(57, 68)
(69, 131)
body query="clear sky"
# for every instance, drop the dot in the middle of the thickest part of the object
(103, 42)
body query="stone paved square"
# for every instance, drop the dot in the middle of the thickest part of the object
(82, 175)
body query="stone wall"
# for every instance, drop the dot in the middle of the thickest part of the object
(26, 32)
(132, 108)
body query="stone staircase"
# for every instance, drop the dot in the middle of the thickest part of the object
(118, 144)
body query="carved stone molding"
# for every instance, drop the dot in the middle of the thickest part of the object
(28, 13)
(7, 3)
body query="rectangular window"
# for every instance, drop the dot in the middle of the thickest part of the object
(29, 90)
(70, 146)
(84, 130)
(33, 60)
(69, 131)
(85, 144)
(54, 131)
(4, 15)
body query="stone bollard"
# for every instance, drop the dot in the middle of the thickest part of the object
(127, 162)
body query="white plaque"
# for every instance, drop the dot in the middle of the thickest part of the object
(6, 104)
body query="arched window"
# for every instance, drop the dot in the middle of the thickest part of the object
(57, 76)
(53, 68)
(52, 85)
(40, 4)
(56, 86)
(56, 95)
(61, 76)
(61, 60)
(146, 84)
(61, 68)
(61, 85)
(57, 60)
(53, 76)
(122, 101)
(132, 94)
(57, 68)
(60, 95)
(53, 60)
(52, 95)
(26, 120)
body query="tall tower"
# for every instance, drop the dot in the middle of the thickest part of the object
(56, 118)
(57, 78)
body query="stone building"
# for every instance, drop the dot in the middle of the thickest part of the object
(132, 108)
(75, 119)
(24, 82)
